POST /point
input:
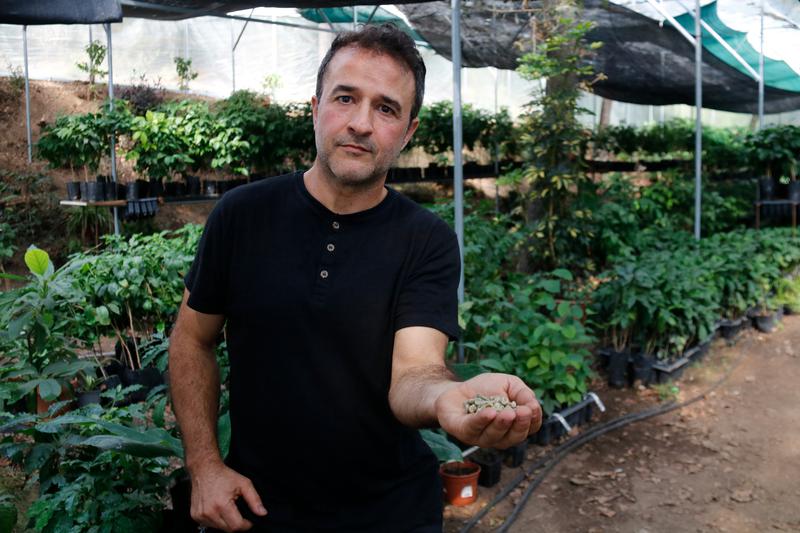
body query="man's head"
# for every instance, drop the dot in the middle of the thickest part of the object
(384, 39)
(369, 91)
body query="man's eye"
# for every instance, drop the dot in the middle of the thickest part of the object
(345, 99)
(386, 109)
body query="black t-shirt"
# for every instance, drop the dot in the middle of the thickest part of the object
(312, 301)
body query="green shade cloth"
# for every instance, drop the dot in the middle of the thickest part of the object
(777, 74)
(344, 15)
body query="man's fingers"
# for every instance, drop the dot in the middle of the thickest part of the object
(496, 431)
(252, 498)
(475, 424)
(233, 518)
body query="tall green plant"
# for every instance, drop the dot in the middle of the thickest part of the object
(554, 140)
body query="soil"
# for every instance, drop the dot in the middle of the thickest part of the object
(728, 463)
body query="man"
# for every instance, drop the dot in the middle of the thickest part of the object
(339, 296)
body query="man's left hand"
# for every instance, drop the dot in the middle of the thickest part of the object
(489, 428)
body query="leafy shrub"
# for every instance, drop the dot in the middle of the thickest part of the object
(521, 327)
(142, 96)
(664, 301)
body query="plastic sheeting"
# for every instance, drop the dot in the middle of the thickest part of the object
(147, 47)
(645, 62)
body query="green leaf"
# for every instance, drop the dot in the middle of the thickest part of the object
(49, 389)
(37, 260)
(224, 434)
(493, 364)
(441, 447)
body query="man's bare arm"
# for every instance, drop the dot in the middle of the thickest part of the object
(194, 386)
(424, 393)
(194, 383)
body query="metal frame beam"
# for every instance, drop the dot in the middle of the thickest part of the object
(201, 13)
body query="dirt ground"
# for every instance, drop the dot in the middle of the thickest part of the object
(730, 463)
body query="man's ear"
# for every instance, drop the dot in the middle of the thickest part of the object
(412, 127)
(314, 105)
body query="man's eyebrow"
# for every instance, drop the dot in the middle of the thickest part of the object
(386, 99)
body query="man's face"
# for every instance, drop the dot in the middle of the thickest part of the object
(361, 121)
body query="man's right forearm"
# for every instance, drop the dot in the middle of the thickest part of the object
(194, 386)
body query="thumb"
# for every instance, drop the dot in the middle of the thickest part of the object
(252, 498)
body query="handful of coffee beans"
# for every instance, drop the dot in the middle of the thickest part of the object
(498, 403)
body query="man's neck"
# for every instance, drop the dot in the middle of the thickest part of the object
(340, 199)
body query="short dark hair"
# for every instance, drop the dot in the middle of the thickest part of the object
(385, 39)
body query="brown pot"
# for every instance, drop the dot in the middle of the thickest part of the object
(460, 482)
(43, 405)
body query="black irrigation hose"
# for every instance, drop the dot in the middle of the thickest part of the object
(551, 460)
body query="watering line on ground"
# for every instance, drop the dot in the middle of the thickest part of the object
(548, 462)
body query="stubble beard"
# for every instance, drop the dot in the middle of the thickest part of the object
(354, 179)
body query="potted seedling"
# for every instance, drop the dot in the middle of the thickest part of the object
(76, 142)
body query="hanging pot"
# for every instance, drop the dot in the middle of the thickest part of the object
(460, 482)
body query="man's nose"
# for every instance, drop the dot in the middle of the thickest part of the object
(361, 120)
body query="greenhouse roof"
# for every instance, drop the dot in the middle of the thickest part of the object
(646, 59)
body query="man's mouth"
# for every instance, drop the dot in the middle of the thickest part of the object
(356, 147)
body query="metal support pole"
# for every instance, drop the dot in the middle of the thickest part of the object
(698, 130)
(458, 174)
(761, 72)
(235, 45)
(107, 27)
(496, 152)
(233, 62)
(27, 93)
(355, 17)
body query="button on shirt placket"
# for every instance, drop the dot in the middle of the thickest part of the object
(327, 260)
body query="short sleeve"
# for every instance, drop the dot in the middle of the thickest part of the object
(429, 295)
(207, 279)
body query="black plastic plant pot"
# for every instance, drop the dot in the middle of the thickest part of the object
(132, 190)
(665, 371)
(210, 188)
(766, 188)
(89, 398)
(642, 368)
(491, 463)
(192, 185)
(146, 377)
(544, 436)
(515, 455)
(110, 191)
(794, 191)
(95, 191)
(618, 368)
(156, 188)
(729, 329)
(73, 190)
(766, 323)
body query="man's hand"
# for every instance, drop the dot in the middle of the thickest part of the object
(489, 428)
(215, 490)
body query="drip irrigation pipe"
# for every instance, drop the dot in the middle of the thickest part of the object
(551, 460)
